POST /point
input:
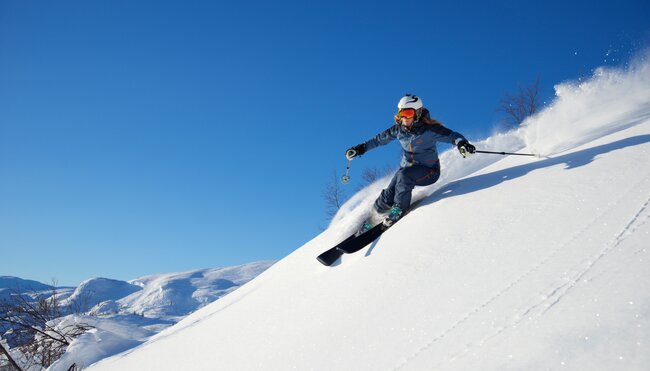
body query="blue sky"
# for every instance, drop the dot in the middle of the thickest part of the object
(140, 137)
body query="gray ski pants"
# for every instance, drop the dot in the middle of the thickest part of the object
(398, 192)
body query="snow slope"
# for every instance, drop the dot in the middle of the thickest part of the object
(508, 263)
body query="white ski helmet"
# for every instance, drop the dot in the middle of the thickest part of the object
(410, 101)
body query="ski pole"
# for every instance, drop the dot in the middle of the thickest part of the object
(345, 179)
(505, 153)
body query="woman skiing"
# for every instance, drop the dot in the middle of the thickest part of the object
(418, 134)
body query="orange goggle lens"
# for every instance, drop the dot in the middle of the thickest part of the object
(407, 113)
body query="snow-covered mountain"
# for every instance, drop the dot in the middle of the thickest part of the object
(162, 295)
(177, 294)
(11, 285)
(165, 295)
(97, 290)
(21, 285)
(507, 263)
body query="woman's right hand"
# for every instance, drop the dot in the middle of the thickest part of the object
(355, 151)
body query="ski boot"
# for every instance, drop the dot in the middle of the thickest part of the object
(393, 215)
(373, 219)
(364, 228)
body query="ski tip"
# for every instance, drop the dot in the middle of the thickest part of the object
(329, 257)
(324, 262)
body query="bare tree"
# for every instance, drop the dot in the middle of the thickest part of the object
(35, 327)
(371, 175)
(12, 364)
(520, 105)
(333, 195)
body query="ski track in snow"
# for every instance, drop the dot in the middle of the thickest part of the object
(556, 291)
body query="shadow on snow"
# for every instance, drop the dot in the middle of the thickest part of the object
(571, 161)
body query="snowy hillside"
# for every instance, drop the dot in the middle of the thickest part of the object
(177, 294)
(507, 263)
(96, 290)
(10, 285)
(163, 295)
(21, 285)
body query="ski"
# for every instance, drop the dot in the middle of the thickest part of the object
(351, 244)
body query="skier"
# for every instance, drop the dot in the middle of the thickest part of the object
(418, 134)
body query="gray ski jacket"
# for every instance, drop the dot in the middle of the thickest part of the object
(418, 142)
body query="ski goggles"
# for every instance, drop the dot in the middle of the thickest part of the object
(408, 113)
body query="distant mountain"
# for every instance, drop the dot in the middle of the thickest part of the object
(177, 294)
(160, 295)
(22, 285)
(96, 290)
(11, 285)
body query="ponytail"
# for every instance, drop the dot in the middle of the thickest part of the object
(426, 118)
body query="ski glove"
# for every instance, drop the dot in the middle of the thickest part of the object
(465, 148)
(355, 151)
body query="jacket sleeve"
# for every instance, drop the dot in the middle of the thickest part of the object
(444, 134)
(383, 138)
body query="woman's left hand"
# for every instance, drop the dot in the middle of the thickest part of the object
(465, 148)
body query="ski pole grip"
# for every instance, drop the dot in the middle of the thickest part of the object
(350, 154)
